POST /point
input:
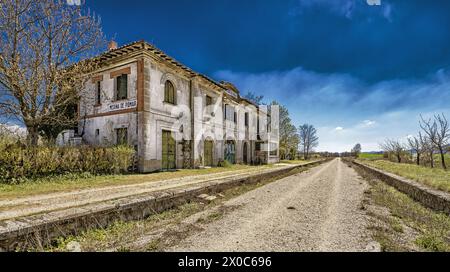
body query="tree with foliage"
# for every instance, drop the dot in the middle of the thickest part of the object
(44, 47)
(356, 150)
(289, 138)
(308, 139)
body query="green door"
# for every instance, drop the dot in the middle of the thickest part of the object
(168, 151)
(208, 153)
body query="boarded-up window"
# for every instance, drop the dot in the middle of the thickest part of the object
(98, 93)
(169, 93)
(121, 136)
(122, 87)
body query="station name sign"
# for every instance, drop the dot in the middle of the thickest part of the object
(122, 105)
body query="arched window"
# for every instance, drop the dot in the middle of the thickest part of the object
(169, 93)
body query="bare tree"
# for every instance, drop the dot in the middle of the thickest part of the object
(43, 48)
(438, 132)
(308, 139)
(393, 147)
(427, 147)
(416, 146)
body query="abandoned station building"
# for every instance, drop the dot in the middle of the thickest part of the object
(174, 117)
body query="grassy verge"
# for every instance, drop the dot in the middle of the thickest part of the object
(78, 182)
(401, 224)
(158, 231)
(434, 177)
(370, 156)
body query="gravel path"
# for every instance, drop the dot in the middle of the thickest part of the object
(317, 210)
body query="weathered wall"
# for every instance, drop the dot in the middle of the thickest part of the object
(101, 117)
(150, 115)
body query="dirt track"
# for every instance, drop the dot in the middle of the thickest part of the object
(318, 210)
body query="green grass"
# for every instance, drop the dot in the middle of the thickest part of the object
(408, 226)
(438, 160)
(79, 182)
(368, 156)
(436, 178)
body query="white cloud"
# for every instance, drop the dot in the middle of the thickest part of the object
(339, 129)
(368, 123)
(367, 113)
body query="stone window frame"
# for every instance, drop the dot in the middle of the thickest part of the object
(115, 75)
(170, 99)
(125, 137)
(97, 80)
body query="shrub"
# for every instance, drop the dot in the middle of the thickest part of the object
(224, 163)
(19, 163)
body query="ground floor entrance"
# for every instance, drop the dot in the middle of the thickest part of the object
(168, 151)
(230, 152)
(208, 153)
(245, 153)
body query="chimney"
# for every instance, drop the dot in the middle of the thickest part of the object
(112, 45)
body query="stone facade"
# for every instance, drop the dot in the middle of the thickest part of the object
(207, 120)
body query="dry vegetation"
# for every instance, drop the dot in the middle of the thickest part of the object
(399, 223)
(434, 177)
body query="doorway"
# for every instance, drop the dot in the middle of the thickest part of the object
(168, 151)
(230, 152)
(244, 153)
(208, 153)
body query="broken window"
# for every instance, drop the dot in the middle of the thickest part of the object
(122, 87)
(98, 93)
(169, 93)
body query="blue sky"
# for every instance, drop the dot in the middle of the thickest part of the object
(358, 72)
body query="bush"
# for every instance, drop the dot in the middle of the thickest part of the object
(19, 163)
(224, 163)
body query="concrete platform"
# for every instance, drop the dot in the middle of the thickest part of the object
(43, 227)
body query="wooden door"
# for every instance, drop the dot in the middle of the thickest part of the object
(208, 153)
(168, 151)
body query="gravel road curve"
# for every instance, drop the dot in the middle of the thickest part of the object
(317, 210)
